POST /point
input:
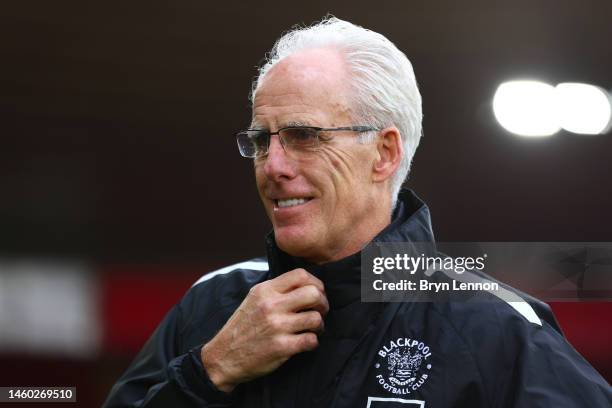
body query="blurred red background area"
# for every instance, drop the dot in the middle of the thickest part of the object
(587, 327)
(134, 298)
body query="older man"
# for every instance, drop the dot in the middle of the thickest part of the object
(336, 121)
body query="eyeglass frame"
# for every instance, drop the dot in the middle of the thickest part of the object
(268, 135)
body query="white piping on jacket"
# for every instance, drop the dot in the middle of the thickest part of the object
(253, 265)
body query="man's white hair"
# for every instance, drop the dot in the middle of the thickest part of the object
(385, 92)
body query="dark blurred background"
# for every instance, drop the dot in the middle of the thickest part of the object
(120, 181)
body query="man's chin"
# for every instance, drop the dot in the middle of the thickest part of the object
(293, 241)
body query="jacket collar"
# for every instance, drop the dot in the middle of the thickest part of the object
(411, 222)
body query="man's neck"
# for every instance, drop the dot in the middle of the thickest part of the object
(363, 234)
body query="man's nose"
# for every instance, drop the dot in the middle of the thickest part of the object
(278, 164)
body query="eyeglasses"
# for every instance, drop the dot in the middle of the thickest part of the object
(254, 143)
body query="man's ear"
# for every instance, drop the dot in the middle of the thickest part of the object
(390, 153)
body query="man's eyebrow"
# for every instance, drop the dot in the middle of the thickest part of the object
(296, 123)
(256, 125)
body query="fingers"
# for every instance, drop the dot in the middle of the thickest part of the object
(310, 321)
(303, 291)
(298, 343)
(294, 279)
(305, 298)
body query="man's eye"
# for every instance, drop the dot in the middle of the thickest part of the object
(300, 136)
(255, 133)
(259, 141)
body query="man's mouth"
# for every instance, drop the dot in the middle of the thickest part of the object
(291, 202)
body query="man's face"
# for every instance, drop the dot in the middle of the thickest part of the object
(332, 217)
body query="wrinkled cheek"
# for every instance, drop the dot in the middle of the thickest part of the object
(335, 163)
(342, 168)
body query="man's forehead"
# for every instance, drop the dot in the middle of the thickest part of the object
(314, 77)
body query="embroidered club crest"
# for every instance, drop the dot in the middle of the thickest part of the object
(403, 365)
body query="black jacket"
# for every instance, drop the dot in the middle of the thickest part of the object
(444, 354)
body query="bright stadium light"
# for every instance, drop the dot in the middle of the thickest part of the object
(583, 108)
(526, 108)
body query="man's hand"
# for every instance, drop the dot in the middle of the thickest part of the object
(277, 319)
